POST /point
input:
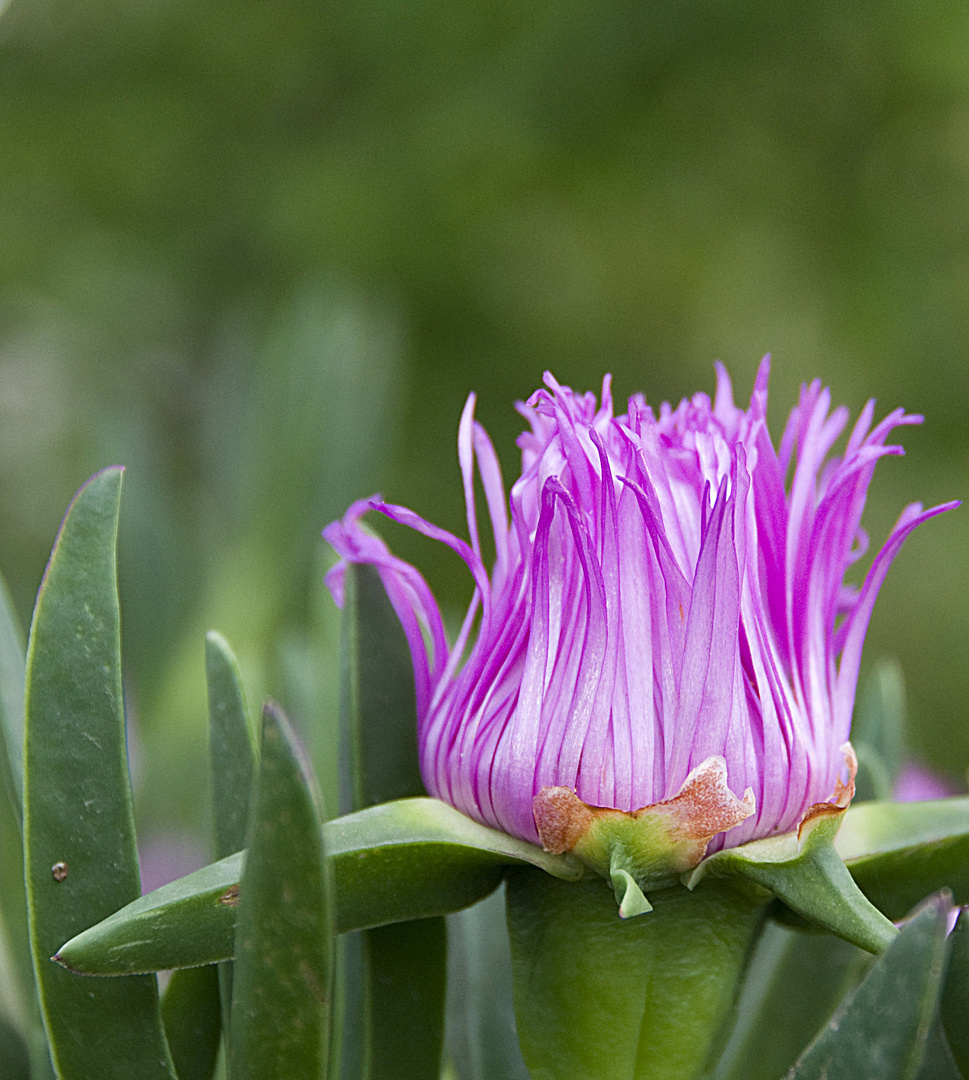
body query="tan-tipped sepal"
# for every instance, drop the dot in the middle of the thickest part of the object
(653, 845)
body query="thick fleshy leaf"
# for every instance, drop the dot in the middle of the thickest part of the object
(881, 1029)
(937, 1060)
(13, 897)
(481, 1036)
(955, 996)
(79, 840)
(283, 972)
(193, 1027)
(231, 746)
(602, 998)
(900, 852)
(404, 860)
(877, 731)
(232, 761)
(377, 696)
(794, 982)
(12, 674)
(14, 1056)
(404, 965)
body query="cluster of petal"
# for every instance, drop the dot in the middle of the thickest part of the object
(661, 594)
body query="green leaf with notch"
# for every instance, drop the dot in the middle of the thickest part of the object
(79, 839)
(881, 1029)
(404, 860)
(283, 973)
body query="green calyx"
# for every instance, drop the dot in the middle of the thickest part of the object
(657, 846)
(649, 848)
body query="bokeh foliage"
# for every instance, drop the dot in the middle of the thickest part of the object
(260, 254)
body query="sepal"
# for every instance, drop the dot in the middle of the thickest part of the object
(805, 871)
(648, 848)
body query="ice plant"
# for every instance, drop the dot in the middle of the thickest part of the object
(666, 624)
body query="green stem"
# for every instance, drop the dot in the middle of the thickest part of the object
(602, 998)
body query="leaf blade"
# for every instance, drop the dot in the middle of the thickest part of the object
(192, 1018)
(400, 962)
(79, 840)
(404, 860)
(881, 1028)
(282, 979)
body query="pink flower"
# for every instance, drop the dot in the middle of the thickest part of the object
(662, 596)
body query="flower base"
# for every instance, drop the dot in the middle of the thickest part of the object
(602, 998)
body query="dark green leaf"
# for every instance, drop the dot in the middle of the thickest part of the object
(937, 1061)
(794, 982)
(404, 998)
(231, 746)
(193, 1027)
(81, 861)
(14, 1056)
(404, 860)
(377, 696)
(232, 760)
(877, 731)
(403, 965)
(955, 996)
(481, 1036)
(881, 1029)
(282, 984)
(603, 998)
(899, 852)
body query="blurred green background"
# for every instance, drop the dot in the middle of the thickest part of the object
(260, 253)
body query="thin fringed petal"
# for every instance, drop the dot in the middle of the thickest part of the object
(668, 590)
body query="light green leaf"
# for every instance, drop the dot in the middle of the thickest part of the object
(878, 730)
(404, 860)
(12, 676)
(481, 1037)
(282, 984)
(13, 897)
(900, 852)
(881, 1029)
(81, 862)
(190, 1010)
